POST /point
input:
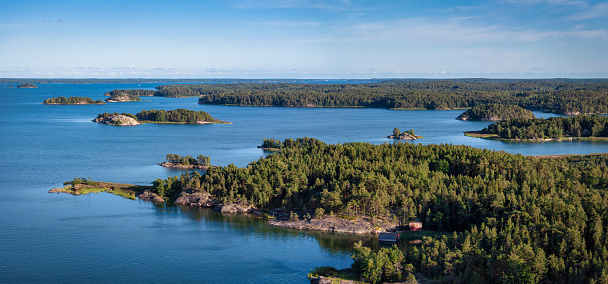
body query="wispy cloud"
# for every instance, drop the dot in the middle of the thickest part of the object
(287, 23)
(449, 31)
(597, 11)
(282, 4)
(549, 2)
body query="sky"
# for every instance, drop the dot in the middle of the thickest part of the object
(315, 39)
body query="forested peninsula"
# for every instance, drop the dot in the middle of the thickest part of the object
(178, 116)
(72, 101)
(560, 96)
(119, 97)
(495, 112)
(514, 217)
(581, 127)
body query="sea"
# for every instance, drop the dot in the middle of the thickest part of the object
(61, 238)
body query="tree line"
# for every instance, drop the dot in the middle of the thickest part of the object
(72, 101)
(550, 128)
(495, 112)
(188, 160)
(557, 96)
(544, 219)
(178, 115)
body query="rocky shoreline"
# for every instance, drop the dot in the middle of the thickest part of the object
(117, 120)
(404, 136)
(361, 225)
(184, 167)
(278, 217)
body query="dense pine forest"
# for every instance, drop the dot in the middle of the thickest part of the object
(178, 115)
(495, 112)
(516, 217)
(72, 101)
(559, 96)
(550, 128)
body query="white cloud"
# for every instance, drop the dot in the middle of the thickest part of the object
(597, 11)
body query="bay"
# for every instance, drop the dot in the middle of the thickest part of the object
(105, 238)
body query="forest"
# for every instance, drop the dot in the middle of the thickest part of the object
(131, 93)
(561, 96)
(495, 112)
(516, 218)
(179, 115)
(550, 128)
(72, 101)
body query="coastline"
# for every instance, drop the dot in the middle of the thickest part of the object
(476, 134)
(329, 223)
(184, 167)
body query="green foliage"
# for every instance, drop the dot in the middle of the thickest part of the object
(396, 132)
(178, 115)
(553, 127)
(293, 216)
(558, 96)
(86, 181)
(271, 144)
(495, 112)
(386, 265)
(135, 94)
(539, 219)
(72, 101)
(188, 160)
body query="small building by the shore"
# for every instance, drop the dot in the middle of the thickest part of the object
(415, 226)
(389, 237)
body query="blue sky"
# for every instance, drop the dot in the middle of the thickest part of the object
(304, 39)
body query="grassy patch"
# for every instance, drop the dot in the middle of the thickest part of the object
(334, 274)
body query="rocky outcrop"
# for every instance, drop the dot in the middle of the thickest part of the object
(201, 199)
(182, 166)
(362, 225)
(234, 208)
(404, 136)
(118, 120)
(122, 98)
(150, 196)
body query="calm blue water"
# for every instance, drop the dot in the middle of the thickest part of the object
(105, 238)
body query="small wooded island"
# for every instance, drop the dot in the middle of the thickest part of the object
(582, 127)
(495, 112)
(119, 96)
(27, 86)
(405, 135)
(178, 116)
(187, 162)
(72, 101)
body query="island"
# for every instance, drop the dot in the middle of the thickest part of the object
(495, 112)
(27, 86)
(186, 163)
(178, 116)
(487, 215)
(72, 101)
(580, 128)
(81, 186)
(127, 95)
(121, 98)
(405, 135)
